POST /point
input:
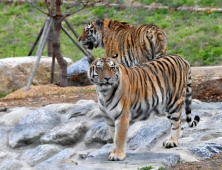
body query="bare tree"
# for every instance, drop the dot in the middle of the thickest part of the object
(54, 13)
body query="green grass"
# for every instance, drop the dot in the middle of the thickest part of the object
(146, 168)
(177, 3)
(3, 95)
(194, 35)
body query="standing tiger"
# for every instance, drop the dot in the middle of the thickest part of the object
(134, 45)
(129, 94)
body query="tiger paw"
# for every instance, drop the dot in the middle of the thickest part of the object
(170, 143)
(116, 156)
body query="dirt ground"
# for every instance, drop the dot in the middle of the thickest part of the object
(37, 96)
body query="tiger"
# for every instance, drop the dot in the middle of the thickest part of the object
(135, 45)
(128, 94)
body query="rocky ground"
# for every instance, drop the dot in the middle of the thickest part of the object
(41, 96)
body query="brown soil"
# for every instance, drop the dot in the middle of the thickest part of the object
(37, 96)
(208, 91)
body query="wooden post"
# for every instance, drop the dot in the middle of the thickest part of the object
(40, 50)
(36, 41)
(73, 40)
(70, 27)
(76, 35)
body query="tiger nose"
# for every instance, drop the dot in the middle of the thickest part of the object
(107, 78)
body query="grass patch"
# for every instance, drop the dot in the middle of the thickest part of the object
(177, 3)
(194, 35)
(3, 95)
(146, 168)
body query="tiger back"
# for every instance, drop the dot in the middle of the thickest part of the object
(134, 45)
(131, 94)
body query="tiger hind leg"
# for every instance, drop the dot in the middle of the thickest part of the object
(175, 120)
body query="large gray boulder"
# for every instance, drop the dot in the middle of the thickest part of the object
(66, 134)
(11, 165)
(57, 158)
(98, 135)
(12, 118)
(77, 73)
(15, 72)
(39, 154)
(3, 139)
(205, 151)
(148, 135)
(32, 127)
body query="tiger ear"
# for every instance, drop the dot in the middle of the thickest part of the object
(99, 23)
(115, 56)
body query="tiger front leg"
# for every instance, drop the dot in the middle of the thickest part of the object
(111, 126)
(175, 132)
(121, 127)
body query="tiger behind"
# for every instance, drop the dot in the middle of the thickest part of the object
(134, 45)
(130, 94)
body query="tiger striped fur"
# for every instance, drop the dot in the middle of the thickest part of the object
(133, 45)
(129, 94)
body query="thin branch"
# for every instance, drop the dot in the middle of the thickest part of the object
(72, 5)
(85, 4)
(68, 14)
(37, 7)
(47, 6)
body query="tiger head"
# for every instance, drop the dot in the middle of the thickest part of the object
(91, 36)
(104, 72)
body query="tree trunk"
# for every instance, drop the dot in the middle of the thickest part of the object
(56, 46)
(50, 41)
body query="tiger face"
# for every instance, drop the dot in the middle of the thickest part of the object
(104, 72)
(90, 36)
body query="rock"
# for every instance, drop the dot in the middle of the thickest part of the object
(65, 166)
(85, 102)
(81, 111)
(10, 165)
(134, 129)
(218, 117)
(65, 134)
(94, 113)
(104, 150)
(206, 151)
(79, 80)
(74, 148)
(62, 155)
(77, 73)
(32, 127)
(147, 136)
(3, 139)
(78, 67)
(139, 159)
(15, 72)
(60, 108)
(84, 154)
(98, 135)
(12, 118)
(39, 154)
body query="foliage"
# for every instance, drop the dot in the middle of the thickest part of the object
(194, 35)
(146, 168)
(161, 168)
